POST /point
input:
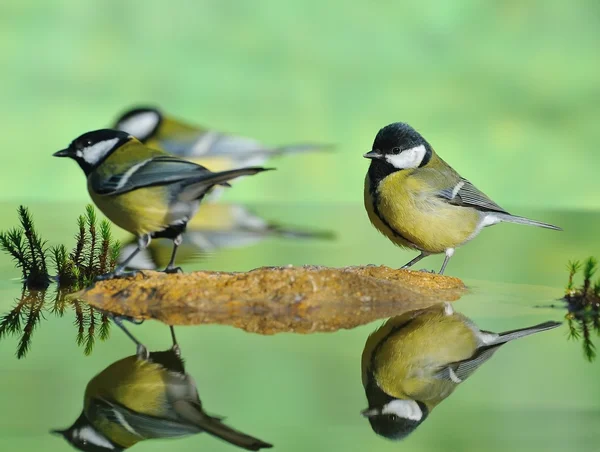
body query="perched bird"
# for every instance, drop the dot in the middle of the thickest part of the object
(213, 149)
(146, 397)
(416, 360)
(142, 190)
(418, 201)
(217, 226)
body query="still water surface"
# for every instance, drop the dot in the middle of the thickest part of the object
(304, 392)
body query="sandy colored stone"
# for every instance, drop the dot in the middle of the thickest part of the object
(269, 300)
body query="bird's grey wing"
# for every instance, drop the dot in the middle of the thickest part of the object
(461, 370)
(162, 170)
(465, 194)
(139, 424)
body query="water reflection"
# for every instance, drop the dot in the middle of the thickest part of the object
(30, 309)
(215, 227)
(415, 360)
(146, 396)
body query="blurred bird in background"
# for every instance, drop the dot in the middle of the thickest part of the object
(215, 150)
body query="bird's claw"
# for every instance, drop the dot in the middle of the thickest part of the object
(171, 270)
(424, 270)
(131, 319)
(142, 352)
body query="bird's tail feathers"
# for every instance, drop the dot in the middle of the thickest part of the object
(508, 336)
(526, 221)
(214, 426)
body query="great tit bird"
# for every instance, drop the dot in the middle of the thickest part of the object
(146, 397)
(215, 227)
(145, 191)
(418, 201)
(416, 360)
(213, 149)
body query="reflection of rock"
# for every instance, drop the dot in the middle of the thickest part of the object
(275, 299)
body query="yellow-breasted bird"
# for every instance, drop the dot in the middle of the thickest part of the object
(146, 397)
(418, 201)
(416, 360)
(215, 150)
(145, 191)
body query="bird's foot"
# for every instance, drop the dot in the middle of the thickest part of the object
(171, 270)
(142, 352)
(115, 275)
(130, 319)
(424, 270)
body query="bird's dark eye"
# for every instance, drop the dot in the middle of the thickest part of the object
(393, 417)
(396, 150)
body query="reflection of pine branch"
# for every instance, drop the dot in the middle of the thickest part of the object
(79, 322)
(59, 304)
(11, 321)
(573, 332)
(90, 339)
(28, 312)
(584, 306)
(34, 305)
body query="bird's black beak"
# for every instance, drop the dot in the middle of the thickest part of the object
(374, 155)
(58, 432)
(369, 412)
(62, 153)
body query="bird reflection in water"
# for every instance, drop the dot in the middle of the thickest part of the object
(215, 227)
(415, 360)
(146, 396)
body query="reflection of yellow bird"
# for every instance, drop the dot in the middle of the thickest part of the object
(216, 226)
(214, 150)
(416, 360)
(145, 397)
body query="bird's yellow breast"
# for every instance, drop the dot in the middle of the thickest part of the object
(135, 384)
(403, 362)
(140, 211)
(408, 211)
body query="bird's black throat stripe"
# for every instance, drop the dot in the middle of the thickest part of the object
(377, 172)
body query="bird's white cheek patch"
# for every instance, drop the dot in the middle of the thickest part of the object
(96, 152)
(140, 125)
(93, 437)
(406, 409)
(411, 158)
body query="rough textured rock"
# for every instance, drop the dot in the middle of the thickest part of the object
(274, 299)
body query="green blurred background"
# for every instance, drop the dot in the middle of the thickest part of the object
(506, 91)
